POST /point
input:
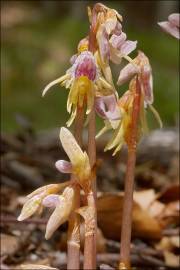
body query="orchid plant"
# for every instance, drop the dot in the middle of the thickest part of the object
(92, 90)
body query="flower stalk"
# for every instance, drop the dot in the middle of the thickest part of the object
(90, 236)
(129, 183)
(73, 244)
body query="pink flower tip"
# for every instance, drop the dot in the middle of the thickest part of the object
(63, 166)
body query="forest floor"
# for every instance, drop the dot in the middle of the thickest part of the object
(28, 162)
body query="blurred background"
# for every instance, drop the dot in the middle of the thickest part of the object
(39, 37)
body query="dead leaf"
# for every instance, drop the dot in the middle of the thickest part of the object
(170, 214)
(170, 193)
(9, 244)
(110, 217)
(175, 240)
(168, 243)
(164, 244)
(144, 198)
(36, 267)
(171, 259)
(156, 208)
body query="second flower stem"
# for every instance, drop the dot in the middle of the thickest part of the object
(73, 244)
(90, 235)
(129, 183)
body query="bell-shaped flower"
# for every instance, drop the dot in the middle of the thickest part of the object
(34, 200)
(83, 79)
(64, 205)
(172, 25)
(79, 162)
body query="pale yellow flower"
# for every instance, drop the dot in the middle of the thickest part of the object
(84, 80)
(80, 165)
(63, 208)
(34, 200)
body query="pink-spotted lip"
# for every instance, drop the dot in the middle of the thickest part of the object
(85, 65)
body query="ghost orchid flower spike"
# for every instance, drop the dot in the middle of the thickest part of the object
(111, 41)
(172, 25)
(79, 159)
(64, 205)
(34, 200)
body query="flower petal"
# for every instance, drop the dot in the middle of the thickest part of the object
(127, 73)
(128, 46)
(52, 188)
(59, 80)
(51, 200)
(156, 115)
(30, 207)
(110, 24)
(90, 100)
(73, 59)
(117, 40)
(70, 146)
(170, 29)
(117, 137)
(61, 212)
(174, 19)
(118, 29)
(103, 43)
(147, 83)
(63, 166)
(110, 103)
(107, 126)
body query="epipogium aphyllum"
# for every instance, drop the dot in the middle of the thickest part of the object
(91, 89)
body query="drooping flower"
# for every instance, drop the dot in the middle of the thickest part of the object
(79, 162)
(122, 127)
(141, 66)
(172, 25)
(47, 197)
(34, 200)
(64, 206)
(83, 79)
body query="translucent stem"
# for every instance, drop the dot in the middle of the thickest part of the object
(73, 245)
(129, 184)
(90, 239)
